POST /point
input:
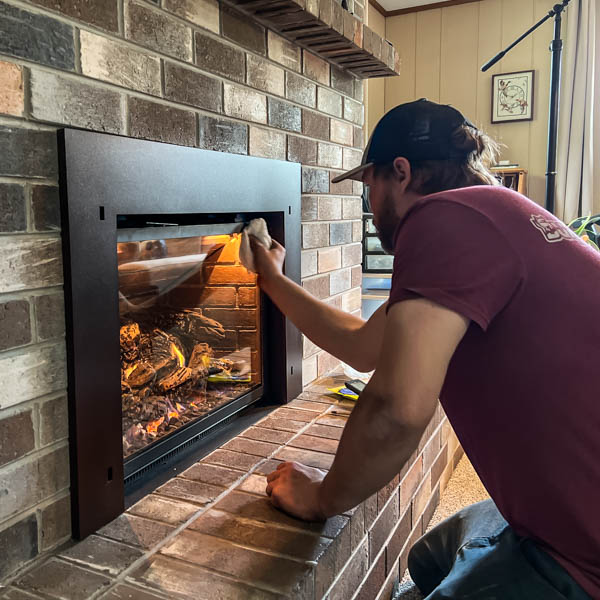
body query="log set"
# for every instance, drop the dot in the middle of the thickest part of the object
(166, 359)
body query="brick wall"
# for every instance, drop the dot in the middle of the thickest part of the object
(188, 72)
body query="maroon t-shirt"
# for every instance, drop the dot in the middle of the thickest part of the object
(522, 387)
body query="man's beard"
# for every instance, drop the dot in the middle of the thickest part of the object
(386, 222)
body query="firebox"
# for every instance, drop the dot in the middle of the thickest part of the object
(168, 334)
(190, 330)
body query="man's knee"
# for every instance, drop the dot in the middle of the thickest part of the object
(424, 567)
(433, 555)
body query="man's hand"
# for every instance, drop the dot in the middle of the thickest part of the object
(268, 263)
(342, 334)
(295, 489)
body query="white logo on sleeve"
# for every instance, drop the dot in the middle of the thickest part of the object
(552, 229)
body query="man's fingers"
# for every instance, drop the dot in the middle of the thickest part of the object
(255, 243)
(269, 489)
(257, 246)
(274, 500)
(281, 466)
(273, 476)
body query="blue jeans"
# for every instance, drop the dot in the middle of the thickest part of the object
(476, 555)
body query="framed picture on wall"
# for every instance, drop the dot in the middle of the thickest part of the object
(512, 97)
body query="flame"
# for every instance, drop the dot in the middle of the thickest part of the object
(175, 352)
(153, 426)
(172, 415)
(179, 407)
(128, 371)
(221, 238)
(206, 360)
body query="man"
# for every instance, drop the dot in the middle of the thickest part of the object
(493, 310)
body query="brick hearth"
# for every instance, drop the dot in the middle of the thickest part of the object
(211, 531)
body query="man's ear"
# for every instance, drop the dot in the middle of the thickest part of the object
(402, 172)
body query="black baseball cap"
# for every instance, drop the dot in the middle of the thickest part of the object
(420, 130)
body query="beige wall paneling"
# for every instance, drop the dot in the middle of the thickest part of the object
(401, 31)
(490, 43)
(517, 16)
(375, 103)
(376, 21)
(375, 88)
(428, 54)
(458, 82)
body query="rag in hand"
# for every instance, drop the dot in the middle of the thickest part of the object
(257, 228)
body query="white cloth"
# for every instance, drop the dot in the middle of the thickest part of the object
(577, 181)
(258, 228)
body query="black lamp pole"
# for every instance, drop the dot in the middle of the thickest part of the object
(556, 49)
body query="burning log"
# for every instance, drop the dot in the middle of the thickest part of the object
(194, 324)
(174, 379)
(143, 374)
(188, 326)
(164, 345)
(144, 393)
(200, 361)
(201, 355)
(163, 352)
(130, 342)
(166, 360)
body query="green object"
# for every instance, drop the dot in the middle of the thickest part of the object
(584, 227)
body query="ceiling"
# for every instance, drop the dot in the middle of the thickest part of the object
(399, 4)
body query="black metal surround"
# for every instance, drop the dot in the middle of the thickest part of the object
(106, 180)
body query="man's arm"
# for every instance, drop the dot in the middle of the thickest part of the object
(349, 338)
(389, 418)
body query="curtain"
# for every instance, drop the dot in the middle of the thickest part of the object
(578, 179)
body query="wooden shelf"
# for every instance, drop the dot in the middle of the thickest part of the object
(328, 30)
(514, 178)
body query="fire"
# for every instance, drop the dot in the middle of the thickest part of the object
(173, 415)
(128, 371)
(222, 238)
(153, 426)
(179, 407)
(175, 352)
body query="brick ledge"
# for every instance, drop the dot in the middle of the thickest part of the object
(329, 31)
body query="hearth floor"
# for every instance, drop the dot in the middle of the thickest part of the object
(177, 541)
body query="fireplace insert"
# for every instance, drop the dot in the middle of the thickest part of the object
(168, 334)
